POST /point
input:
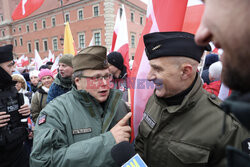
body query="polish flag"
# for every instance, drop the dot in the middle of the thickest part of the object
(116, 28)
(55, 65)
(45, 60)
(38, 60)
(25, 8)
(162, 15)
(121, 44)
(69, 44)
(193, 16)
(22, 61)
(51, 57)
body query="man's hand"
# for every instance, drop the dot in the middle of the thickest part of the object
(4, 118)
(24, 110)
(121, 131)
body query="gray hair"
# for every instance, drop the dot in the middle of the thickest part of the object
(215, 70)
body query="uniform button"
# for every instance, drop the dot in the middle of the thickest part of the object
(213, 96)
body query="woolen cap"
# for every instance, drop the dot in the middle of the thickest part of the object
(163, 44)
(6, 53)
(45, 72)
(116, 59)
(92, 57)
(66, 59)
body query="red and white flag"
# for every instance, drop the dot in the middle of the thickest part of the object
(38, 60)
(25, 8)
(162, 15)
(55, 65)
(116, 28)
(121, 44)
(51, 57)
(22, 61)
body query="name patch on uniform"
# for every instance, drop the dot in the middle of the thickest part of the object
(42, 119)
(151, 123)
(81, 131)
(246, 146)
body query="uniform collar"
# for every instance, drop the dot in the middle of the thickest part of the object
(189, 100)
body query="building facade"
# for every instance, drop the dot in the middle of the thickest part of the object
(44, 29)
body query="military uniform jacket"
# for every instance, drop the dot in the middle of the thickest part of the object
(71, 131)
(187, 135)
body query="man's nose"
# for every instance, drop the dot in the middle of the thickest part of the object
(203, 35)
(151, 76)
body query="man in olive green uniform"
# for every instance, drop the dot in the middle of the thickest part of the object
(182, 124)
(80, 127)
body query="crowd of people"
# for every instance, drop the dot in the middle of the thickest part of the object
(75, 118)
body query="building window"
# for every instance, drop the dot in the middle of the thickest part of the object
(132, 16)
(45, 45)
(141, 20)
(97, 36)
(53, 21)
(44, 24)
(35, 26)
(96, 10)
(27, 28)
(132, 41)
(120, 12)
(15, 42)
(67, 17)
(80, 14)
(29, 47)
(37, 45)
(55, 44)
(81, 39)
(13, 30)
(21, 41)
(3, 33)
(19, 28)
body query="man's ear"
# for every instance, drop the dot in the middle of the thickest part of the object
(77, 81)
(186, 71)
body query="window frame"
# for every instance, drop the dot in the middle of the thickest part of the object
(79, 41)
(55, 38)
(98, 14)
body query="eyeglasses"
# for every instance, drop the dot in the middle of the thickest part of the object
(98, 78)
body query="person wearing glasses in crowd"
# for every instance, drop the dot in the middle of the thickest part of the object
(80, 127)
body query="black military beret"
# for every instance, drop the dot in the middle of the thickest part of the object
(162, 44)
(6, 53)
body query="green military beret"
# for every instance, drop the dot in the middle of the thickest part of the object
(93, 57)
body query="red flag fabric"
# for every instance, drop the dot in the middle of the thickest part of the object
(116, 28)
(162, 15)
(121, 44)
(25, 8)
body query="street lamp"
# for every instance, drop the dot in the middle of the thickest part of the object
(61, 41)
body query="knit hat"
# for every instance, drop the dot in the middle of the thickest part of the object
(92, 57)
(34, 73)
(6, 53)
(116, 59)
(67, 59)
(45, 72)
